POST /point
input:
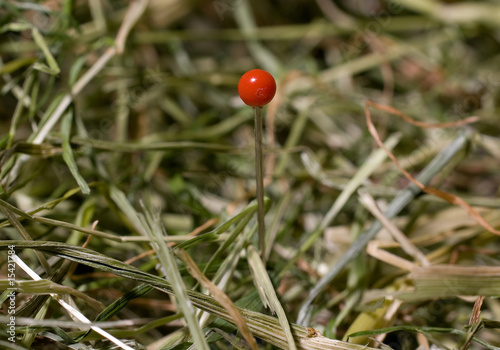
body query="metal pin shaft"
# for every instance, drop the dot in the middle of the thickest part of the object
(259, 177)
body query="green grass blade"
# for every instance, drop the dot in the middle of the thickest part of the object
(53, 67)
(119, 304)
(212, 235)
(68, 156)
(155, 233)
(130, 213)
(156, 146)
(268, 294)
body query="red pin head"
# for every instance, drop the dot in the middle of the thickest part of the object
(257, 87)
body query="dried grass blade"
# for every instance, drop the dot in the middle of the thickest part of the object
(374, 249)
(476, 311)
(410, 120)
(369, 203)
(422, 330)
(441, 281)
(451, 198)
